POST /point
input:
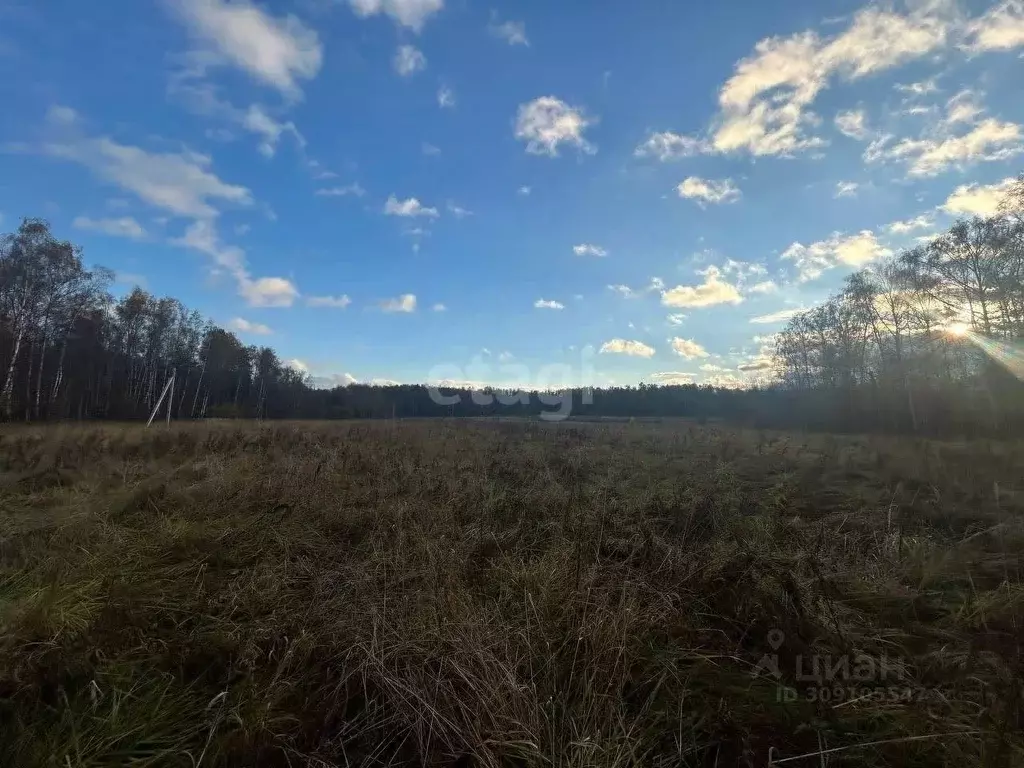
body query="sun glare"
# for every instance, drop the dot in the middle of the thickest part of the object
(958, 329)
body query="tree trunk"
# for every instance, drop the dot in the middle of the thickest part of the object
(60, 371)
(39, 380)
(28, 381)
(7, 394)
(910, 403)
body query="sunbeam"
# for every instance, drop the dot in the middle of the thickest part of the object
(1009, 355)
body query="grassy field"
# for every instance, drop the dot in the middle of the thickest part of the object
(507, 594)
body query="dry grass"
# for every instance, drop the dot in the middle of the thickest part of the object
(502, 594)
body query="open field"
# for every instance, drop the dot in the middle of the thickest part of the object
(507, 594)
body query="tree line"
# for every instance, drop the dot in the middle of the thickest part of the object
(929, 341)
(70, 350)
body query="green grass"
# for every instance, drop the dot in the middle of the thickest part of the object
(505, 594)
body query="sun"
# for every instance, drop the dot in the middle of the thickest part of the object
(958, 329)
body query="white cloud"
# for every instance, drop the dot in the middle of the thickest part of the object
(524, 191)
(219, 134)
(335, 302)
(777, 317)
(963, 108)
(262, 292)
(742, 271)
(242, 325)
(1000, 29)
(202, 236)
(201, 98)
(924, 221)
(849, 250)
(989, 140)
(853, 123)
(709, 190)
(765, 286)
(977, 199)
(408, 60)
(404, 303)
(712, 368)
(445, 97)
(58, 114)
(668, 146)
(676, 319)
(466, 383)
(407, 13)
(846, 189)
(457, 210)
(714, 290)
(348, 189)
(548, 304)
(764, 106)
(512, 32)
(269, 292)
(257, 121)
(764, 359)
(547, 122)
(430, 149)
(408, 208)
(125, 226)
(921, 88)
(726, 381)
(917, 111)
(180, 183)
(673, 377)
(586, 249)
(439, 307)
(657, 285)
(626, 347)
(332, 380)
(504, 357)
(624, 290)
(687, 348)
(297, 365)
(277, 51)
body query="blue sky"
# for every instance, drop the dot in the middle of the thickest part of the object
(510, 193)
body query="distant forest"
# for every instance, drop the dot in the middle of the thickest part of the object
(930, 341)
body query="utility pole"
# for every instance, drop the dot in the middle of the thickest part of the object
(169, 386)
